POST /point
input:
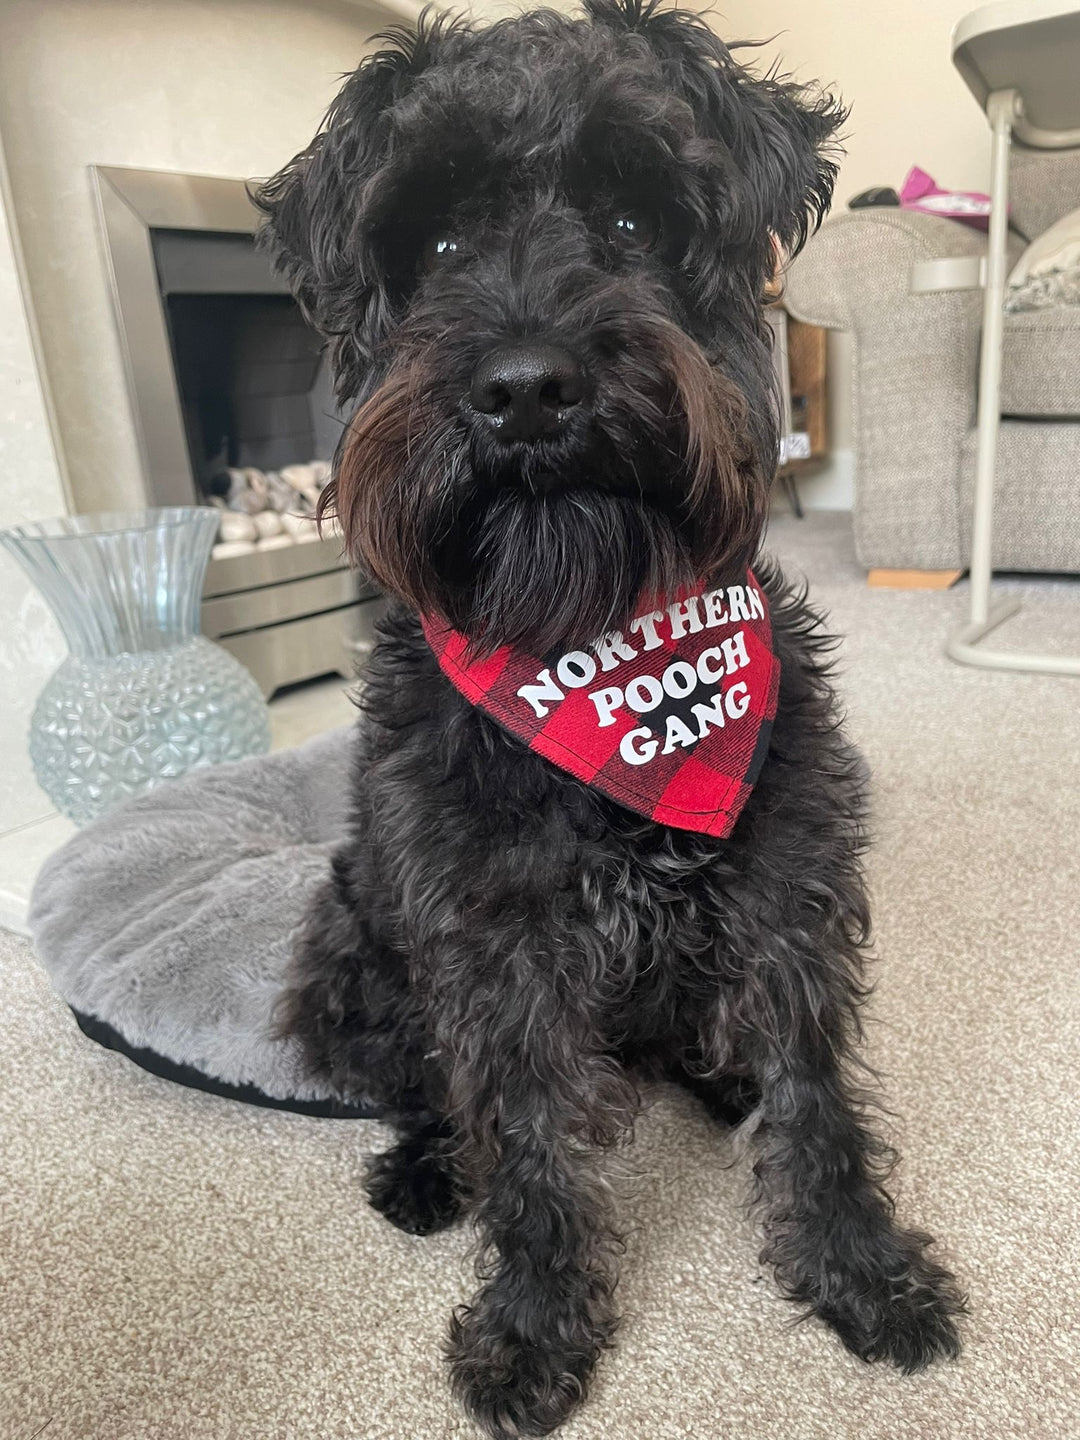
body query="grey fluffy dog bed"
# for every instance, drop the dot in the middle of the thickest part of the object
(166, 926)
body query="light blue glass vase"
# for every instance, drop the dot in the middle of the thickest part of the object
(142, 697)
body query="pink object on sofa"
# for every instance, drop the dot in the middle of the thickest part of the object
(921, 191)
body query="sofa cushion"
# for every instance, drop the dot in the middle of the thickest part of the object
(1048, 272)
(1043, 186)
(1036, 515)
(1040, 364)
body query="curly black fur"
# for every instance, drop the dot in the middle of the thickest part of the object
(500, 951)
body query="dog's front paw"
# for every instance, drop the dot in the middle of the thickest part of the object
(513, 1386)
(902, 1308)
(413, 1186)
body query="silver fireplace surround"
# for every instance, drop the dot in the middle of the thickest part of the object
(287, 614)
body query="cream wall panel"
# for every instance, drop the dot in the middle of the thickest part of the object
(30, 489)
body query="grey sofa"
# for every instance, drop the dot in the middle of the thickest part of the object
(915, 384)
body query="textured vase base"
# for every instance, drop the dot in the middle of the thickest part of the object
(106, 730)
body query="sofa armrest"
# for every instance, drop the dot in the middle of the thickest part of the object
(861, 261)
(915, 358)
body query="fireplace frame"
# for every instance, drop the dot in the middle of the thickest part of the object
(288, 613)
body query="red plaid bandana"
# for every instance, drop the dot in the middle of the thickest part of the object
(670, 717)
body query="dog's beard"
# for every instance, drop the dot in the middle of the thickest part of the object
(540, 570)
(565, 543)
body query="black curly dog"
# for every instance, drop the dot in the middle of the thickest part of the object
(539, 249)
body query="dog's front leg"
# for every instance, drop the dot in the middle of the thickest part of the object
(535, 1102)
(829, 1220)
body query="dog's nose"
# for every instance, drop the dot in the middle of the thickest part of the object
(527, 391)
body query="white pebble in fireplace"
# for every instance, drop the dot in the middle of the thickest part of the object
(270, 508)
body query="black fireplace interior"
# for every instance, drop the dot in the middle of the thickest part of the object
(251, 372)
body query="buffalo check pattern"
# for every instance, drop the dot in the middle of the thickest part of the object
(700, 768)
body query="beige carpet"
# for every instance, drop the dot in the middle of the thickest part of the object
(177, 1267)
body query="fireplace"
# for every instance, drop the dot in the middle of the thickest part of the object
(230, 391)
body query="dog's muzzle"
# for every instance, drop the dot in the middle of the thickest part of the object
(527, 392)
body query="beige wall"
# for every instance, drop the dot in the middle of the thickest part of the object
(30, 489)
(891, 63)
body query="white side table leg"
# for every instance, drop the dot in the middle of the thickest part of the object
(1002, 109)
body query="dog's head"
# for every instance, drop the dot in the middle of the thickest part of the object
(540, 250)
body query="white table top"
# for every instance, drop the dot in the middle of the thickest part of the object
(1032, 46)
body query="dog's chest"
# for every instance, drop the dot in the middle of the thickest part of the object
(664, 908)
(484, 838)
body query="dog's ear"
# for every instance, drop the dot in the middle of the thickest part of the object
(313, 206)
(782, 136)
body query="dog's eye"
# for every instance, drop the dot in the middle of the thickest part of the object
(439, 248)
(635, 229)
